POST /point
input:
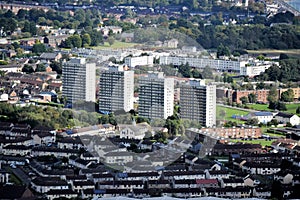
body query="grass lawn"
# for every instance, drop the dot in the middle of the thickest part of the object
(262, 142)
(15, 179)
(291, 108)
(116, 45)
(229, 112)
(292, 52)
(262, 107)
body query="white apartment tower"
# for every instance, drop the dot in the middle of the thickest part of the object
(156, 96)
(116, 90)
(79, 80)
(198, 102)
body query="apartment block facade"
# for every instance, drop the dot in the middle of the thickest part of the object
(220, 65)
(79, 80)
(198, 102)
(156, 96)
(116, 88)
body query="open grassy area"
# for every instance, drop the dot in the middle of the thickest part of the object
(292, 52)
(15, 179)
(291, 108)
(229, 112)
(262, 142)
(116, 45)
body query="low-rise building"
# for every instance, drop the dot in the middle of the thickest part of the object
(134, 131)
(45, 151)
(180, 175)
(55, 41)
(285, 118)
(235, 132)
(70, 143)
(57, 193)
(227, 149)
(232, 182)
(238, 192)
(77, 186)
(118, 158)
(44, 185)
(263, 193)
(262, 117)
(139, 61)
(261, 168)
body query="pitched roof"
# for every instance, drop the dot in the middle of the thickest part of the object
(260, 114)
(49, 181)
(206, 181)
(48, 55)
(284, 115)
(12, 192)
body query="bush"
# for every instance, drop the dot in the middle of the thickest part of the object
(3, 62)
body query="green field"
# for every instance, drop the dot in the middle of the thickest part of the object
(261, 142)
(291, 108)
(228, 113)
(292, 52)
(116, 45)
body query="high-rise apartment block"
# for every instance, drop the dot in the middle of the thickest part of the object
(156, 96)
(79, 80)
(116, 90)
(198, 102)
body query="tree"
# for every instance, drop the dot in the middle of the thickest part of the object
(142, 120)
(73, 41)
(287, 96)
(274, 73)
(261, 57)
(185, 70)
(27, 69)
(19, 52)
(252, 98)
(32, 28)
(207, 73)
(196, 74)
(38, 48)
(2, 73)
(298, 110)
(223, 51)
(281, 106)
(283, 56)
(76, 41)
(273, 95)
(86, 40)
(230, 124)
(252, 121)
(244, 100)
(260, 85)
(274, 122)
(22, 14)
(111, 40)
(56, 66)
(173, 124)
(40, 68)
(96, 38)
(277, 191)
